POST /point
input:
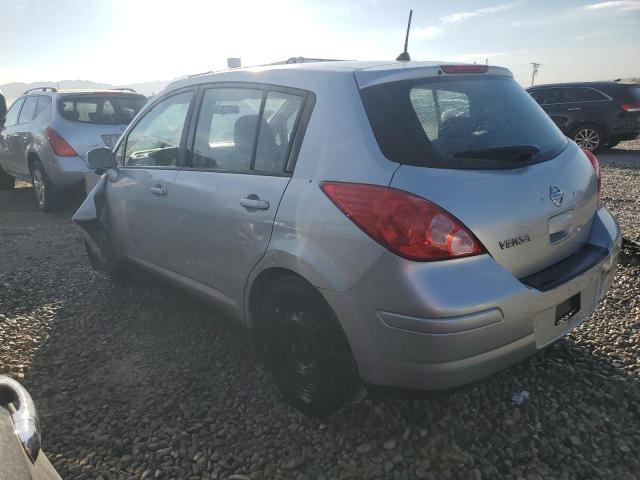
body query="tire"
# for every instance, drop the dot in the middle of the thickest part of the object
(47, 195)
(305, 348)
(106, 261)
(613, 143)
(590, 137)
(7, 182)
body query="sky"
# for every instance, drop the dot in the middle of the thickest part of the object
(129, 41)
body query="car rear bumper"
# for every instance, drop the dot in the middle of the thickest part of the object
(443, 324)
(64, 172)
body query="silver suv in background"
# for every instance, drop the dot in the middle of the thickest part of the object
(413, 224)
(46, 133)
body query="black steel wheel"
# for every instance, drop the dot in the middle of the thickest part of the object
(306, 349)
(103, 257)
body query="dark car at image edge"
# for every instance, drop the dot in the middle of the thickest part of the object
(596, 115)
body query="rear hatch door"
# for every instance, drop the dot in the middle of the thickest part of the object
(93, 120)
(480, 147)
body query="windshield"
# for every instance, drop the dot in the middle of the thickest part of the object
(104, 109)
(437, 121)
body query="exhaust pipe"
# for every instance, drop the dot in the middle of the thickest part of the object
(25, 417)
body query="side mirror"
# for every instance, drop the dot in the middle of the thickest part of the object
(100, 159)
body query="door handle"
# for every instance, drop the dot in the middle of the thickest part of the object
(253, 202)
(158, 190)
(573, 109)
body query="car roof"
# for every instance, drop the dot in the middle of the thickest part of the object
(610, 83)
(297, 74)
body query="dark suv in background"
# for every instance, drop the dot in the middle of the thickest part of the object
(595, 115)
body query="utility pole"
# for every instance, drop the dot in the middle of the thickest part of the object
(535, 66)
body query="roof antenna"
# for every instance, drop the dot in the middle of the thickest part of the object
(404, 56)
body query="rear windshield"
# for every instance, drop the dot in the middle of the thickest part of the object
(101, 109)
(457, 122)
(634, 93)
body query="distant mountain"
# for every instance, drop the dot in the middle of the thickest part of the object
(13, 90)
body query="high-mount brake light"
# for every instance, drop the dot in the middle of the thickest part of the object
(464, 68)
(58, 144)
(596, 166)
(410, 226)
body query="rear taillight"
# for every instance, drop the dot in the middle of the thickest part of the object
(58, 144)
(631, 107)
(406, 224)
(596, 166)
(464, 68)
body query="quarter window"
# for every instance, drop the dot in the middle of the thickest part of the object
(12, 115)
(281, 111)
(155, 140)
(44, 103)
(28, 111)
(227, 127)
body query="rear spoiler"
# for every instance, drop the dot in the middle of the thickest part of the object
(370, 77)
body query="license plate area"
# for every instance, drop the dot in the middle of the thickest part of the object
(567, 309)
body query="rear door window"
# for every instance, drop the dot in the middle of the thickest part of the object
(443, 122)
(591, 95)
(227, 127)
(103, 109)
(245, 129)
(580, 94)
(28, 110)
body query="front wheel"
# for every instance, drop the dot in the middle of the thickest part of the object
(103, 257)
(305, 347)
(590, 137)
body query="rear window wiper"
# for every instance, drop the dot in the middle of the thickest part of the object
(510, 153)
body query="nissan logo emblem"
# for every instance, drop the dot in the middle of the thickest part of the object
(556, 195)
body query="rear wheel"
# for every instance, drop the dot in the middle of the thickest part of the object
(45, 192)
(590, 137)
(306, 350)
(613, 142)
(7, 182)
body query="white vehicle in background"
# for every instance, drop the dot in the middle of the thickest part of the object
(46, 134)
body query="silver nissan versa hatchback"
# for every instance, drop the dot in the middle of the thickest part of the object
(411, 224)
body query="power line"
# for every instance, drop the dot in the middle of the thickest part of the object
(535, 66)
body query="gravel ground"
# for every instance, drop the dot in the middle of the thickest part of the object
(138, 381)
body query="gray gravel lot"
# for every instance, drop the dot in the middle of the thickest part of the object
(139, 381)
